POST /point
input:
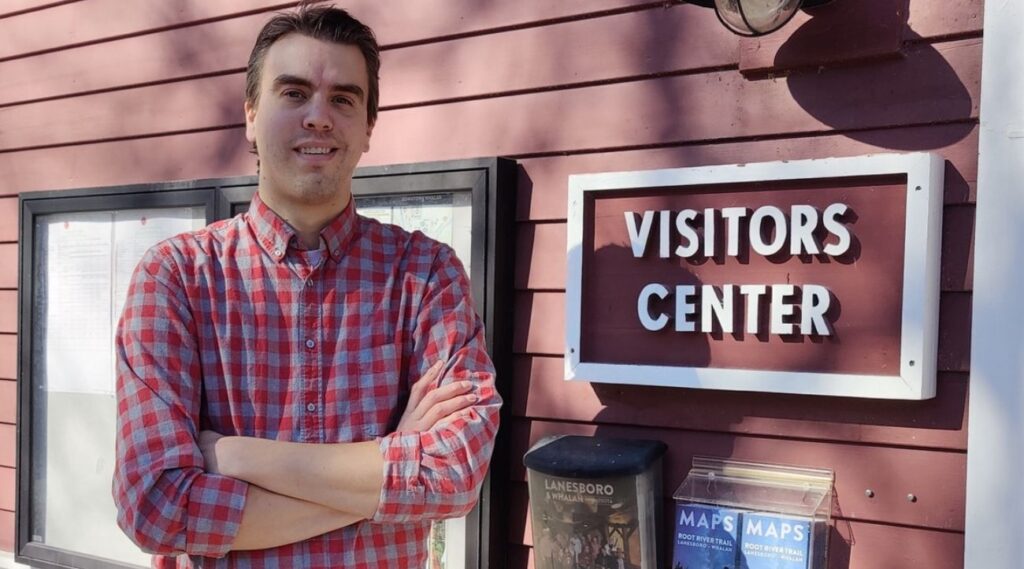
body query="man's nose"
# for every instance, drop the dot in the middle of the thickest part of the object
(317, 116)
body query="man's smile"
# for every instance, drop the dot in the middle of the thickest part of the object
(317, 152)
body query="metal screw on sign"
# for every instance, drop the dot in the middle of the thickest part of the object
(869, 493)
(911, 498)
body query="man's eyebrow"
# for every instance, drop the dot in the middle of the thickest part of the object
(282, 80)
(285, 79)
(348, 88)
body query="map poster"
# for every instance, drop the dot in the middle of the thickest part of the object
(585, 523)
(774, 541)
(705, 537)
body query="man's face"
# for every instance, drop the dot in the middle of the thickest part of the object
(310, 124)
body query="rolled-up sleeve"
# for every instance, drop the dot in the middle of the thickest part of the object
(437, 474)
(166, 503)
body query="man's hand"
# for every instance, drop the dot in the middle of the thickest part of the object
(427, 407)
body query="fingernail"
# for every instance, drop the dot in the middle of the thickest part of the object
(473, 398)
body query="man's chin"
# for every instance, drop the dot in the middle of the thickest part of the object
(315, 190)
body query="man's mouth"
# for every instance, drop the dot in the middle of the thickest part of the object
(315, 150)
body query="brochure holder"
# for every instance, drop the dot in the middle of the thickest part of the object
(733, 514)
(596, 502)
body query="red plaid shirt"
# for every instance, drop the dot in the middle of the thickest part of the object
(234, 328)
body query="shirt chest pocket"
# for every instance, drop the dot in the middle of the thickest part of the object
(372, 396)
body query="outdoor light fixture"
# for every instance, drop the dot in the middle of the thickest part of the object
(756, 17)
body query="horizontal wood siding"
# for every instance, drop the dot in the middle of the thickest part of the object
(8, 356)
(8, 401)
(938, 423)
(713, 103)
(9, 262)
(7, 445)
(8, 311)
(17, 7)
(9, 215)
(542, 197)
(77, 23)
(109, 92)
(7, 530)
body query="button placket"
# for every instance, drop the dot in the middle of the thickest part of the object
(314, 420)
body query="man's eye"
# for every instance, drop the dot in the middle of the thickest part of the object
(294, 94)
(343, 100)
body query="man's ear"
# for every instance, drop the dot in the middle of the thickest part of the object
(250, 121)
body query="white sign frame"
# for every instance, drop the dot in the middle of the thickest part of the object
(920, 312)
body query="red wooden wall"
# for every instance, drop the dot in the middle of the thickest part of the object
(103, 92)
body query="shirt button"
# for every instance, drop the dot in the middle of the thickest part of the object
(310, 344)
(311, 407)
(309, 284)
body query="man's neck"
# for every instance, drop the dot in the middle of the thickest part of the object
(307, 220)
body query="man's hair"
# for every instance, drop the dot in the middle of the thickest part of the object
(324, 23)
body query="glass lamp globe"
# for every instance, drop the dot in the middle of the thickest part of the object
(755, 17)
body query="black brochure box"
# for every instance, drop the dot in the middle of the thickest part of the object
(596, 502)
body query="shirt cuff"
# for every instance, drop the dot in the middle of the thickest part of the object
(215, 505)
(402, 493)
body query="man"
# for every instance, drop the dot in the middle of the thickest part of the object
(264, 362)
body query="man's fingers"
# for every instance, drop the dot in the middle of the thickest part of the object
(448, 408)
(437, 404)
(421, 386)
(440, 395)
(428, 380)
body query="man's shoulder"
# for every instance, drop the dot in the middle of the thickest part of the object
(190, 247)
(418, 257)
(398, 241)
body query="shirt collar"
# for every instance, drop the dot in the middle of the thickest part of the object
(275, 234)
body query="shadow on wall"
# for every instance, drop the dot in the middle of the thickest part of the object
(846, 96)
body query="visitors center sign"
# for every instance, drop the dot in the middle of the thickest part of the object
(812, 276)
